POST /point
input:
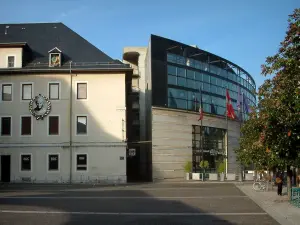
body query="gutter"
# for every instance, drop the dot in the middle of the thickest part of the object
(18, 71)
(70, 115)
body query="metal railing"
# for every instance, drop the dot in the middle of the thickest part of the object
(295, 196)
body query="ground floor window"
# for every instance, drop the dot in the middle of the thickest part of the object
(26, 162)
(81, 162)
(53, 162)
(208, 149)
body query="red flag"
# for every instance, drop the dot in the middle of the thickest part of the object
(229, 107)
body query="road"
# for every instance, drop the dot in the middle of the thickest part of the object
(143, 204)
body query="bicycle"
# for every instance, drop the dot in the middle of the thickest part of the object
(259, 185)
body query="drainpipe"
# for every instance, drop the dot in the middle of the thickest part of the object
(71, 105)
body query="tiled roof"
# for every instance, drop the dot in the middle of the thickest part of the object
(40, 38)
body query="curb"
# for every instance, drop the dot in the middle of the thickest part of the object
(274, 213)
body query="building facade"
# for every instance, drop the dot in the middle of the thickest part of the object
(173, 78)
(62, 107)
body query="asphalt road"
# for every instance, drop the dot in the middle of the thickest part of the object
(147, 204)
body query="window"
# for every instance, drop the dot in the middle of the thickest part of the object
(53, 125)
(26, 162)
(6, 92)
(5, 126)
(180, 72)
(172, 80)
(81, 125)
(81, 90)
(172, 70)
(190, 74)
(198, 76)
(10, 61)
(206, 78)
(81, 162)
(54, 91)
(53, 162)
(190, 83)
(213, 80)
(26, 125)
(181, 81)
(26, 91)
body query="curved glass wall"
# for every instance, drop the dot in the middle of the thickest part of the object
(189, 76)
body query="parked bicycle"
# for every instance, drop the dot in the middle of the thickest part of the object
(259, 185)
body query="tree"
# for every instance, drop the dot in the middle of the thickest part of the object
(272, 134)
(279, 97)
(252, 149)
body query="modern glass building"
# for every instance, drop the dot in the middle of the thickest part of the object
(172, 76)
(188, 75)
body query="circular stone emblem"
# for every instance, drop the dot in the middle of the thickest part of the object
(39, 106)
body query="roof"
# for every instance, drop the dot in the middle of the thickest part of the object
(40, 38)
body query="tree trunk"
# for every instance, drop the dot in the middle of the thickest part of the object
(298, 177)
(294, 176)
(289, 181)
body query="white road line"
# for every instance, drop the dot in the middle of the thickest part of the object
(123, 197)
(133, 213)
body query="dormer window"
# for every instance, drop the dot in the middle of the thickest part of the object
(54, 57)
(11, 61)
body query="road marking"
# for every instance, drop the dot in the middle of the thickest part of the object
(126, 188)
(123, 197)
(133, 213)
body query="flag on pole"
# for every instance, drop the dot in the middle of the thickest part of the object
(247, 108)
(200, 107)
(229, 107)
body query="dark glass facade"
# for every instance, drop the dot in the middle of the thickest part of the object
(179, 75)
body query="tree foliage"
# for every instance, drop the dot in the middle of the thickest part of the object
(272, 133)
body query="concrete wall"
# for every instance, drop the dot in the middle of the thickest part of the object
(104, 142)
(172, 140)
(5, 52)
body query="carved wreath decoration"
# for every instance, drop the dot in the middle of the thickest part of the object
(39, 106)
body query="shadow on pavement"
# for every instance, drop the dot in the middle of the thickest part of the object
(130, 207)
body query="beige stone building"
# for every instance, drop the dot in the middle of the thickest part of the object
(62, 107)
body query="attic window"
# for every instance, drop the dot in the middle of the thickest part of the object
(54, 57)
(11, 61)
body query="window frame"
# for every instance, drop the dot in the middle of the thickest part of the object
(15, 60)
(48, 125)
(59, 90)
(20, 163)
(1, 93)
(48, 164)
(11, 125)
(87, 92)
(87, 124)
(87, 162)
(21, 91)
(26, 135)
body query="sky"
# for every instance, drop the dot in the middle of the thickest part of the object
(243, 32)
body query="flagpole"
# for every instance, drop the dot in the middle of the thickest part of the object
(241, 121)
(201, 138)
(226, 160)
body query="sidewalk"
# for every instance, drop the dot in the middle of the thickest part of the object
(276, 206)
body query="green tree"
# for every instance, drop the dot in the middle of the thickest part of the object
(279, 97)
(272, 134)
(252, 148)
